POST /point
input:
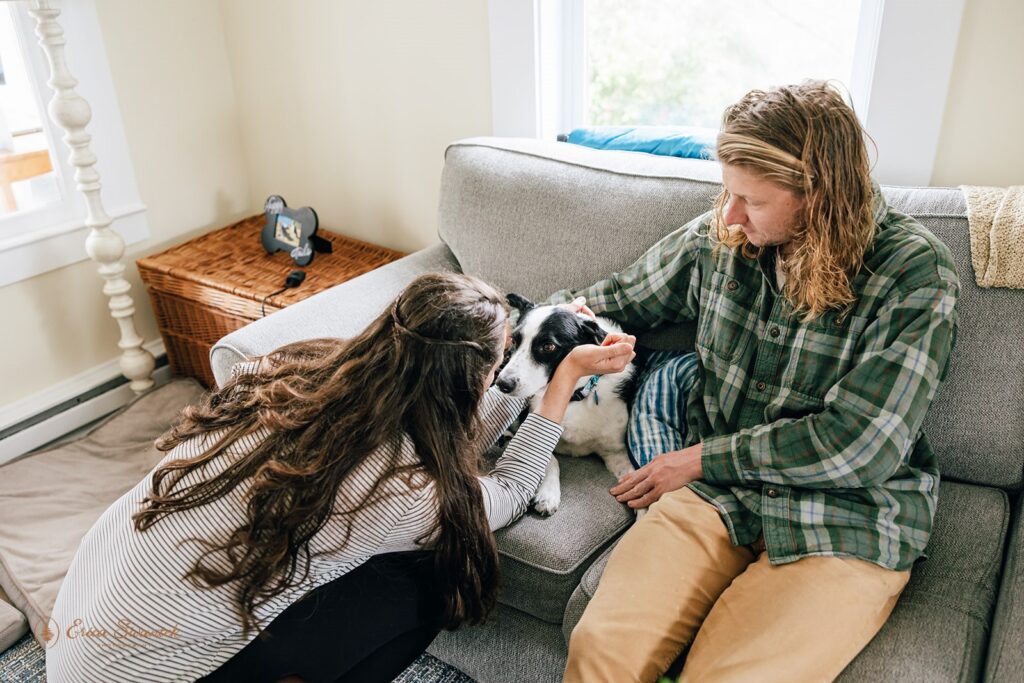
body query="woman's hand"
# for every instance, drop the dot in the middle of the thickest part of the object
(613, 355)
(667, 472)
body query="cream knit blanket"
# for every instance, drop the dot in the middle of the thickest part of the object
(996, 219)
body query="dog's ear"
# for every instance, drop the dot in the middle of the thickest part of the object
(592, 328)
(520, 303)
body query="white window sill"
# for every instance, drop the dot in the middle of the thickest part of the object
(53, 236)
(46, 249)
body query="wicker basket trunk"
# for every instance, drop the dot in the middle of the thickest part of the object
(212, 285)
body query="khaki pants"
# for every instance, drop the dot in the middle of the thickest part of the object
(675, 574)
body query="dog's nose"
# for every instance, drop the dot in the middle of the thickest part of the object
(506, 385)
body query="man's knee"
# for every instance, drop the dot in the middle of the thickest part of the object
(595, 652)
(590, 634)
(599, 650)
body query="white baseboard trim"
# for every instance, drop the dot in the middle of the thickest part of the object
(36, 435)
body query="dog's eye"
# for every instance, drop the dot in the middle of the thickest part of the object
(548, 348)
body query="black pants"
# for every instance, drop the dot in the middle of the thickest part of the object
(367, 625)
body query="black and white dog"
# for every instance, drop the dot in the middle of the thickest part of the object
(595, 421)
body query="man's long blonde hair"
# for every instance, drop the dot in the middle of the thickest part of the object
(806, 139)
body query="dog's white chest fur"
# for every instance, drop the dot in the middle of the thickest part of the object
(596, 424)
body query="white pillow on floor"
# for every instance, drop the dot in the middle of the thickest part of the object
(13, 623)
(51, 498)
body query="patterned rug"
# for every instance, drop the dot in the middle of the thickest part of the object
(25, 662)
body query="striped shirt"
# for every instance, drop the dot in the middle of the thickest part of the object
(810, 431)
(124, 612)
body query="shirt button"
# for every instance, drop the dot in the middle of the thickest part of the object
(774, 332)
(772, 493)
(761, 386)
(732, 286)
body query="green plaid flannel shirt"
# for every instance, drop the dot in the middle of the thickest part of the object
(811, 431)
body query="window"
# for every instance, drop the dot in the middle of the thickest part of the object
(651, 62)
(27, 176)
(894, 57)
(42, 214)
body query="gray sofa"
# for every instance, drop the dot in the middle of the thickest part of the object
(534, 217)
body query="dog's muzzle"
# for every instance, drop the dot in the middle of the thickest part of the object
(506, 385)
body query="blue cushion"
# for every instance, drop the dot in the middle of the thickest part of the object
(677, 141)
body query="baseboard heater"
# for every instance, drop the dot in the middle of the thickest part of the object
(71, 414)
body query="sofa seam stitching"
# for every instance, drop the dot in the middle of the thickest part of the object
(1011, 563)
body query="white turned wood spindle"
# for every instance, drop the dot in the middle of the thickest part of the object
(104, 245)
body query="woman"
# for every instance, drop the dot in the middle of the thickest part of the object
(321, 515)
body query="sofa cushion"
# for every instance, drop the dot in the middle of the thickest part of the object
(543, 558)
(1005, 652)
(938, 630)
(940, 625)
(341, 311)
(976, 416)
(534, 216)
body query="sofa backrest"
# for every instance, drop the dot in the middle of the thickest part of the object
(534, 217)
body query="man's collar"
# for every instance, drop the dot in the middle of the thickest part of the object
(879, 206)
(767, 263)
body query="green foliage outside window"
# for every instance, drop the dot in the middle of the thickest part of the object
(681, 62)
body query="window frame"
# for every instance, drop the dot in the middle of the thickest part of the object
(45, 238)
(904, 54)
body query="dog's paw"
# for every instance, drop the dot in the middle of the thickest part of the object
(618, 464)
(620, 472)
(547, 500)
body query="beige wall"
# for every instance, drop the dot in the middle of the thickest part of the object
(347, 105)
(982, 138)
(170, 69)
(343, 106)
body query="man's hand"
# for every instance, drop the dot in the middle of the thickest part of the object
(579, 305)
(667, 472)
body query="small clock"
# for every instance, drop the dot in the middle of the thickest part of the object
(291, 230)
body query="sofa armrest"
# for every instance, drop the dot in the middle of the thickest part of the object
(341, 311)
(1005, 656)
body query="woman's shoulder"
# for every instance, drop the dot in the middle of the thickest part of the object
(406, 457)
(248, 366)
(285, 354)
(197, 444)
(399, 457)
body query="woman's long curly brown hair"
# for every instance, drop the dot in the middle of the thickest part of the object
(327, 404)
(806, 139)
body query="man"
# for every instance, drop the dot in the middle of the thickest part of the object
(783, 526)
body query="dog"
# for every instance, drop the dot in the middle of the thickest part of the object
(595, 421)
